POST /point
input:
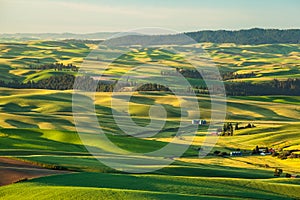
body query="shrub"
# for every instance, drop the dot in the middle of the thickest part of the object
(217, 152)
(274, 154)
(223, 154)
(267, 166)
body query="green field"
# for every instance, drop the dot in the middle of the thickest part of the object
(26, 134)
(37, 126)
(116, 186)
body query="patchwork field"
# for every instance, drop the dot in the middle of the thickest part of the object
(37, 126)
(266, 62)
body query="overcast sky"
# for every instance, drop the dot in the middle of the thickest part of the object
(39, 16)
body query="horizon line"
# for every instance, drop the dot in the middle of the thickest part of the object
(86, 33)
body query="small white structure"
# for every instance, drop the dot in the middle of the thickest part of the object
(199, 121)
(196, 121)
(294, 176)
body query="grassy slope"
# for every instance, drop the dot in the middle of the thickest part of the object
(48, 109)
(267, 61)
(16, 58)
(275, 117)
(65, 149)
(98, 186)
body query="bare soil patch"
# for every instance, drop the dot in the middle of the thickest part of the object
(12, 171)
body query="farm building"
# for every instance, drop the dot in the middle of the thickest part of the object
(195, 121)
(271, 150)
(236, 153)
(198, 122)
(295, 176)
(263, 151)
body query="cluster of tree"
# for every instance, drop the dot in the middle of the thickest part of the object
(188, 73)
(55, 66)
(63, 82)
(219, 153)
(294, 155)
(227, 130)
(237, 127)
(274, 87)
(193, 73)
(286, 154)
(278, 172)
(152, 87)
(85, 83)
(233, 75)
(290, 86)
(251, 36)
(200, 89)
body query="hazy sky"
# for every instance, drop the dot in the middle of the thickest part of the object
(116, 15)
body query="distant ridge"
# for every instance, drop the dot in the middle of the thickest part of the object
(58, 36)
(249, 36)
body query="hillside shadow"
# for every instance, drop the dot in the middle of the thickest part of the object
(32, 139)
(19, 124)
(13, 107)
(59, 96)
(265, 112)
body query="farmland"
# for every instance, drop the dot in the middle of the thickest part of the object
(37, 125)
(106, 186)
(269, 61)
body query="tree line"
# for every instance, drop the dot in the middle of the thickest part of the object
(66, 82)
(55, 66)
(235, 75)
(188, 73)
(153, 87)
(85, 83)
(250, 36)
(62, 82)
(290, 86)
(191, 73)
